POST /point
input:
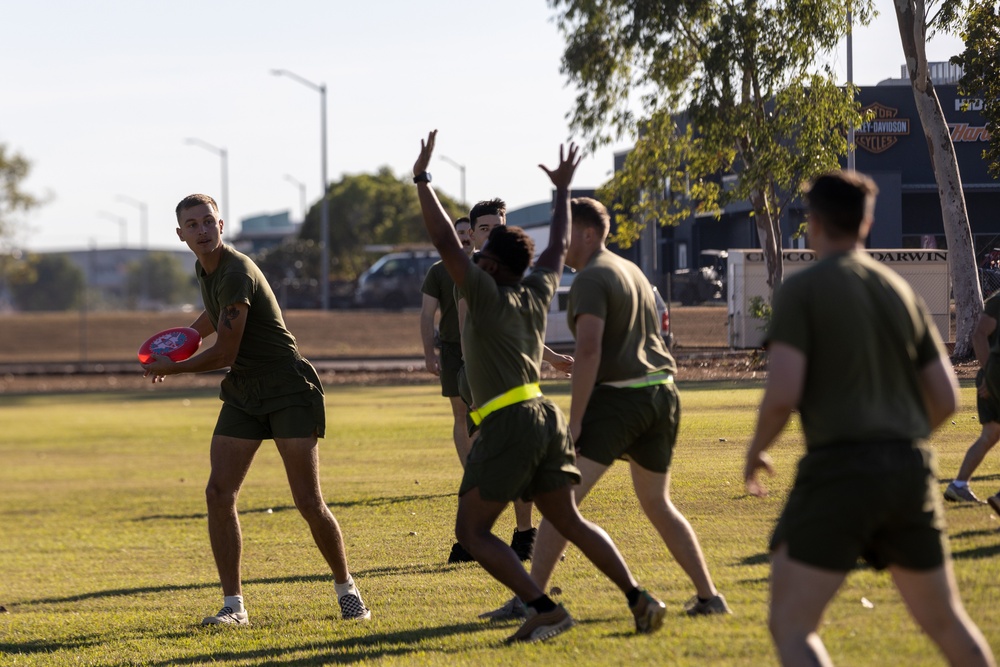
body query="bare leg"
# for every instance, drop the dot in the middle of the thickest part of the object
(522, 513)
(473, 527)
(559, 508)
(460, 429)
(799, 595)
(230, 460)
(653, 491)
(932, 598)
(301, 458)
(977, 452)
(550, 544)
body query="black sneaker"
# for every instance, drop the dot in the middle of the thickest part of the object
(460, 555)
(523, 542)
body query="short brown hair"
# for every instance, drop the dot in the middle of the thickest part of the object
(591, 213)
(842, 200)
(195, 200)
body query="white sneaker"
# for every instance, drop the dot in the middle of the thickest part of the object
(227, 616)
(352, 607)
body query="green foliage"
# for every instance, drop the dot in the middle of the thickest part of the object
(981, 79)
(760, 309)
(722, 87)
(14, 168)
(165, 279)
(120, 571)
(47, 282)
(369, 209)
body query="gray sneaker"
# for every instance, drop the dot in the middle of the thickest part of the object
(648, 613)
(994, 502)
(960, 494)
(227, 616)
(512, 610)
(540, 627)
(713, 605)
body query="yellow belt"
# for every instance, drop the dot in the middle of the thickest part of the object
(520, 394)
(644, 381)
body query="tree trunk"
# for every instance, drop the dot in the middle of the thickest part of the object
(769, 234)
(961, 252)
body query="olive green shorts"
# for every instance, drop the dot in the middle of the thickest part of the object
(522, 450)
(451, 363)
(639, 424)
(873, 501)
(987, 408)
(281, 400)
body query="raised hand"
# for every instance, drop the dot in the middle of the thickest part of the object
(426, 150)
(562, 175)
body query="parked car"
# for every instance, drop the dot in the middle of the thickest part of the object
(394, 281)
(557, 333)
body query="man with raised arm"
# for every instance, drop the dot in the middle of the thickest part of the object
(524, 449)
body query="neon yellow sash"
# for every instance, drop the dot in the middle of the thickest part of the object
(516, 395)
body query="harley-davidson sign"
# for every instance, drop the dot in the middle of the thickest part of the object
(882, 132)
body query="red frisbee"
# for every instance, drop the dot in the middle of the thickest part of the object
(178, 343)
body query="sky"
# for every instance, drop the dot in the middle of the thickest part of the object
(102, 96)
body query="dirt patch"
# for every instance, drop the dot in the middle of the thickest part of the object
(700, 347)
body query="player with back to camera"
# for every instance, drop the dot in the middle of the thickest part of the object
(270, 392)
(624, 402)
(985, 343)
(524, 449)
(854, 350)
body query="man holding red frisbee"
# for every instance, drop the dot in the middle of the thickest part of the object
(270, 392)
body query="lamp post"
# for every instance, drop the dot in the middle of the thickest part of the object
(461, 169)
(224, 157)
(850, 82)
(324, 243)
(143, 243)
(302, 193)
(122, 223)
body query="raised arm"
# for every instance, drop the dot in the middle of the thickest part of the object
(554, 254)
(439, 226)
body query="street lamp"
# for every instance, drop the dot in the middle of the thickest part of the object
(324, 243)
(461, 168)
(302, 193)
(224, 156)
(122, 223)
(850, 82)
(143, 243)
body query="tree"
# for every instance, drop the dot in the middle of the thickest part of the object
(979, 64)
(166, 278)
(723, 87)
(369, 209)
(914, 24)
(14, 168)
(49, 282)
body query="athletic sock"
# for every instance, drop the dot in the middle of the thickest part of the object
(542, 605)
(633, 596)
(345, 588)
(960, 484)
(234, 602)
(703, 600)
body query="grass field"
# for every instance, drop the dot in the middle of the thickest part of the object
(104, 556)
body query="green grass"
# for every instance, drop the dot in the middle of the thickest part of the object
(104, 556)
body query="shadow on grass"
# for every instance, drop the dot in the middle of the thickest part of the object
(342, 651)
(975, 478)
(367, 502)
(763, 558)
(974, 533)
(976, 553)
(405, 570)
(50, 646)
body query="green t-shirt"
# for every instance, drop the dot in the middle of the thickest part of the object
(992, 309)
(438, 284)
(238, 280)
(616, 290)
(866, 336)
(504, 331)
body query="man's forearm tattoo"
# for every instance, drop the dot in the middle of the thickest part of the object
(229, 315)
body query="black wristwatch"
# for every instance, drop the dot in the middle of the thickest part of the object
(422, 177)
